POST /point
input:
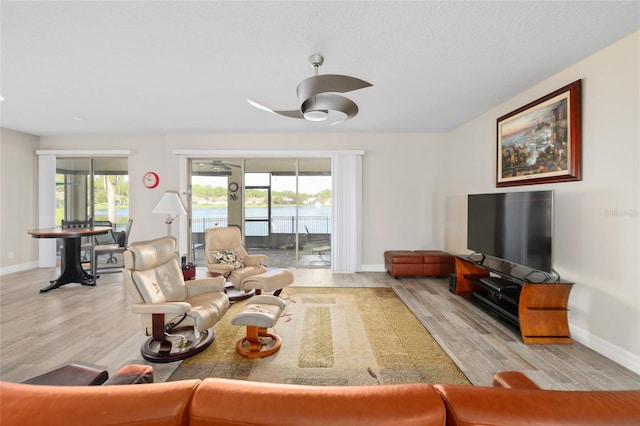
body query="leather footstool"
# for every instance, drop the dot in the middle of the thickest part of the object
(260, 313)
(403, 263)
(71, 375)
(82, 375)
(437, 263)
(414, 263)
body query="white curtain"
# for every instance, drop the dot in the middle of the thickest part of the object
(46, 209)
(346, 235)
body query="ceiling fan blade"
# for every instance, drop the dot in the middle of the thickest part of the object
(294, 113)
(259, 106)
(328, 83)
(218, 165)
(332, 102)
(287, 113)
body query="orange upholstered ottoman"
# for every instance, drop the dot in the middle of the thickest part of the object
(410, 263)
(436, 263)
(403, 263)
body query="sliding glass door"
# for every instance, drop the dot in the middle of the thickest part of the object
(212, 199)
(314, 210)
(73, 192)
(94, 189)
(282, 205)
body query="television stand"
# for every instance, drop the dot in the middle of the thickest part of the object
(537, 310)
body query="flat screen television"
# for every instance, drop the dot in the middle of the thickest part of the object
(513, 226)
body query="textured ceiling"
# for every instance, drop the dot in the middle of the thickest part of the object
(155, 67)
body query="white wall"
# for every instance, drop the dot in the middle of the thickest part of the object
(19, 203)
(399, 179)
(596, 241)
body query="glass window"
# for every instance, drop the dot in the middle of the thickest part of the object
(283, 206)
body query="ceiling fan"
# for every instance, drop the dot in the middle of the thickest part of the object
(317, 96)
(218, 165)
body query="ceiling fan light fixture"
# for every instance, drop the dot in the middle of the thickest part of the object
(318, 95)
(316, 115)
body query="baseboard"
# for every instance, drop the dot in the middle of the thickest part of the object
(18, 268)
(611, 351)
(372, 268)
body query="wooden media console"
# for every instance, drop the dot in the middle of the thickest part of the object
(537, 309)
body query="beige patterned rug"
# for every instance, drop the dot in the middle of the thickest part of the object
(332, 336)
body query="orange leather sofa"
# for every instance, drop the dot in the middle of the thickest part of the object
(514, 400)
(409, 263)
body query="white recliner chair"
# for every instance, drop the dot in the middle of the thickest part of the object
(226, 256)
(178, 315)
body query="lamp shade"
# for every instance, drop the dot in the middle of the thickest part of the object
(170, 204)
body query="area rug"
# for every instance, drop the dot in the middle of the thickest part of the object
(332, 336)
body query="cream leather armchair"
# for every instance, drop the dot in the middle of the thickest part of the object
(178, 315)
(227, 256)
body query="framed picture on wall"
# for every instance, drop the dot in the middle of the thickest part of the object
(541, 141)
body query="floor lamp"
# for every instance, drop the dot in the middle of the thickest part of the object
(171, 205)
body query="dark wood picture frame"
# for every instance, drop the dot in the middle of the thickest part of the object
(541, 142)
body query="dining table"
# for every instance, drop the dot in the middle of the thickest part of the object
(71, 270)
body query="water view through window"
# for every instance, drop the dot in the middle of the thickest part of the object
(283, 205)
(210, 205)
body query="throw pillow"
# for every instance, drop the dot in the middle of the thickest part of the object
(230, 257)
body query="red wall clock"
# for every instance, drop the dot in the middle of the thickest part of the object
(150, 180)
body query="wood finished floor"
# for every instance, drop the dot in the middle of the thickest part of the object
(94, 326)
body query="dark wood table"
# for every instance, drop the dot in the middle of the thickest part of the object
(71, 270)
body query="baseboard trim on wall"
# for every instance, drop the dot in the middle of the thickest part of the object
(611, 351)
(372, 268)
(18, 268)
